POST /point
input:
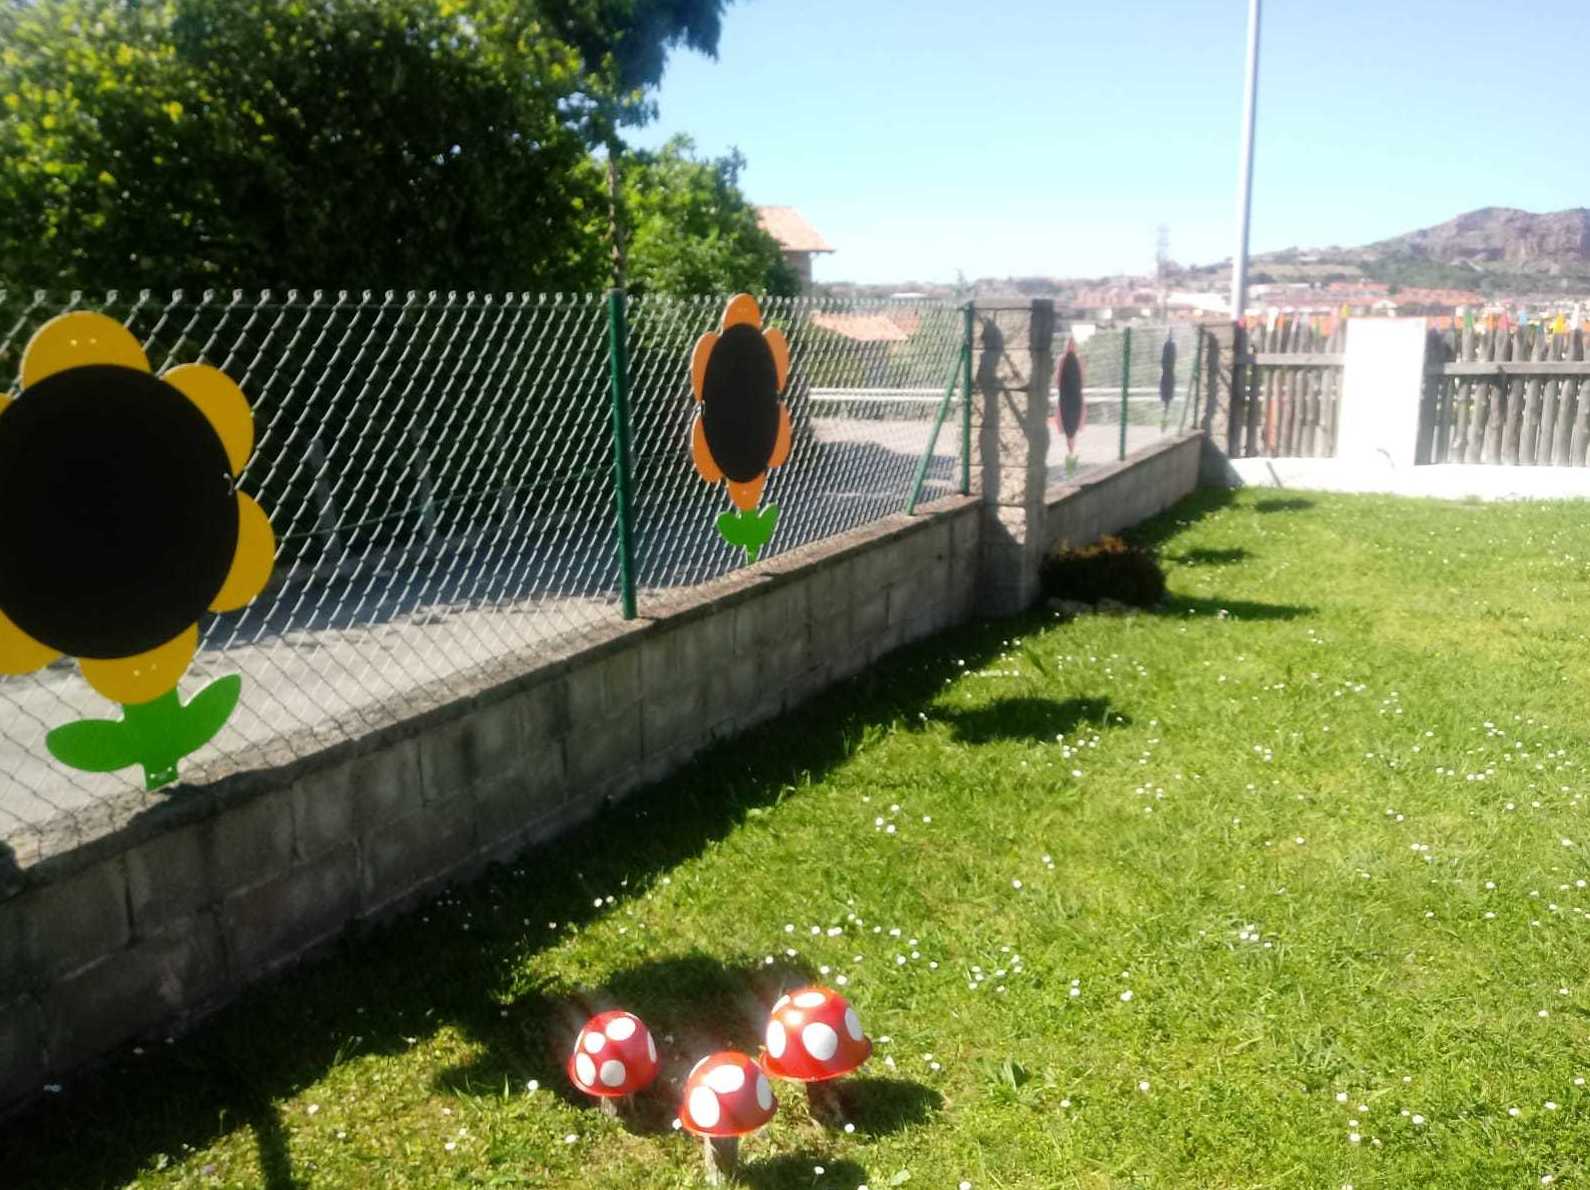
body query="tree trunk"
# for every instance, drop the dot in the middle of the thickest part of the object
(615, 210)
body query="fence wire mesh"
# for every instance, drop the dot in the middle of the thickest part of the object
(439, 470)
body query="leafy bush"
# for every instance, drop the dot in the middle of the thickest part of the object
(1107, 569)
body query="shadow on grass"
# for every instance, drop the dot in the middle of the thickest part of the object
(796, 1171)
(1037, 719)
(1208, 557)
(881, 1106)
(1282, 504)
(1231, 609)
(458, 961)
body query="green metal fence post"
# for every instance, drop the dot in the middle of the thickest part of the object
(618, 361)
(966, 403)
(950, 386)
(1126, 381)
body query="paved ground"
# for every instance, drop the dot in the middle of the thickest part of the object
(1447, 481)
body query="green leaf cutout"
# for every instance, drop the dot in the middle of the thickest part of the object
(749, 531)
(94, 745)
(207, 712)
(155, 734)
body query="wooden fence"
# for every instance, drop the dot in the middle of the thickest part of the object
(1513, 396)
(1284, 385)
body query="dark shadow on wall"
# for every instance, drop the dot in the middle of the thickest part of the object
(459, 962)
(10, 872)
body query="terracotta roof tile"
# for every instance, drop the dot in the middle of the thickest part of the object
(789, 227)
(864, 328)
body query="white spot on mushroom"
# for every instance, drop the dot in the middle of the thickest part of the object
(821, 1042)
(764, 1093)
(594, 1042)
(584, 1069)
(810, 1000)
(704, 1108)
(613, 1073)
(726, 1079)
(776, 1039)
(621, 1028)
(852, 1024)
(780, 1002)
(651, 1048)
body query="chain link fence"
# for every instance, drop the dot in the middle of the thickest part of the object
(440, 473)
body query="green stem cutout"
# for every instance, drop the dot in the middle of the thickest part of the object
(748, 530)
(155, 735)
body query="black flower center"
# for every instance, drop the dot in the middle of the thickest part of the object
(117, 519)
(1071, 408)
(739, 398)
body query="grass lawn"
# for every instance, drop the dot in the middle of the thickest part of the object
(1284, 886)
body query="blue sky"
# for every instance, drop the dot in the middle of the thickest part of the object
(1051, 137)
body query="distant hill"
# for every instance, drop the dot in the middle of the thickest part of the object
(1493, 250)
(1550, 244)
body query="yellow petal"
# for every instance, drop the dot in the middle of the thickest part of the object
(252, 564)
(4, 401)
(698, 363)
(741, 308)
(223, 403)
(81, 337)
(19, 652)
(779, 346)
(132, 680)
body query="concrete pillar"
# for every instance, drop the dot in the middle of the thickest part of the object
(1015, 368)
(1382, 384)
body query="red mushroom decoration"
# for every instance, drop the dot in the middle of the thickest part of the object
(815, 1037)
(726, 1097)
(614, 1056)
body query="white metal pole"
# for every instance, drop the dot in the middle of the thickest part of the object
(1239, 269)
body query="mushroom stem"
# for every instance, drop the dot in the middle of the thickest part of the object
(822, 1100)
(722, 1155)
(614, 1106)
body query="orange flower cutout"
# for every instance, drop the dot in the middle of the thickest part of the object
(741, 429)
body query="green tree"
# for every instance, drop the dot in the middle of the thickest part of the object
(360, 143)
(623, 47)
(691, 229)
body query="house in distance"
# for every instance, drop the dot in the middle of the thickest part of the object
(799, 239)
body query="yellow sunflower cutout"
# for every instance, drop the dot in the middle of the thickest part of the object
(741, 428)
(123, 527)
